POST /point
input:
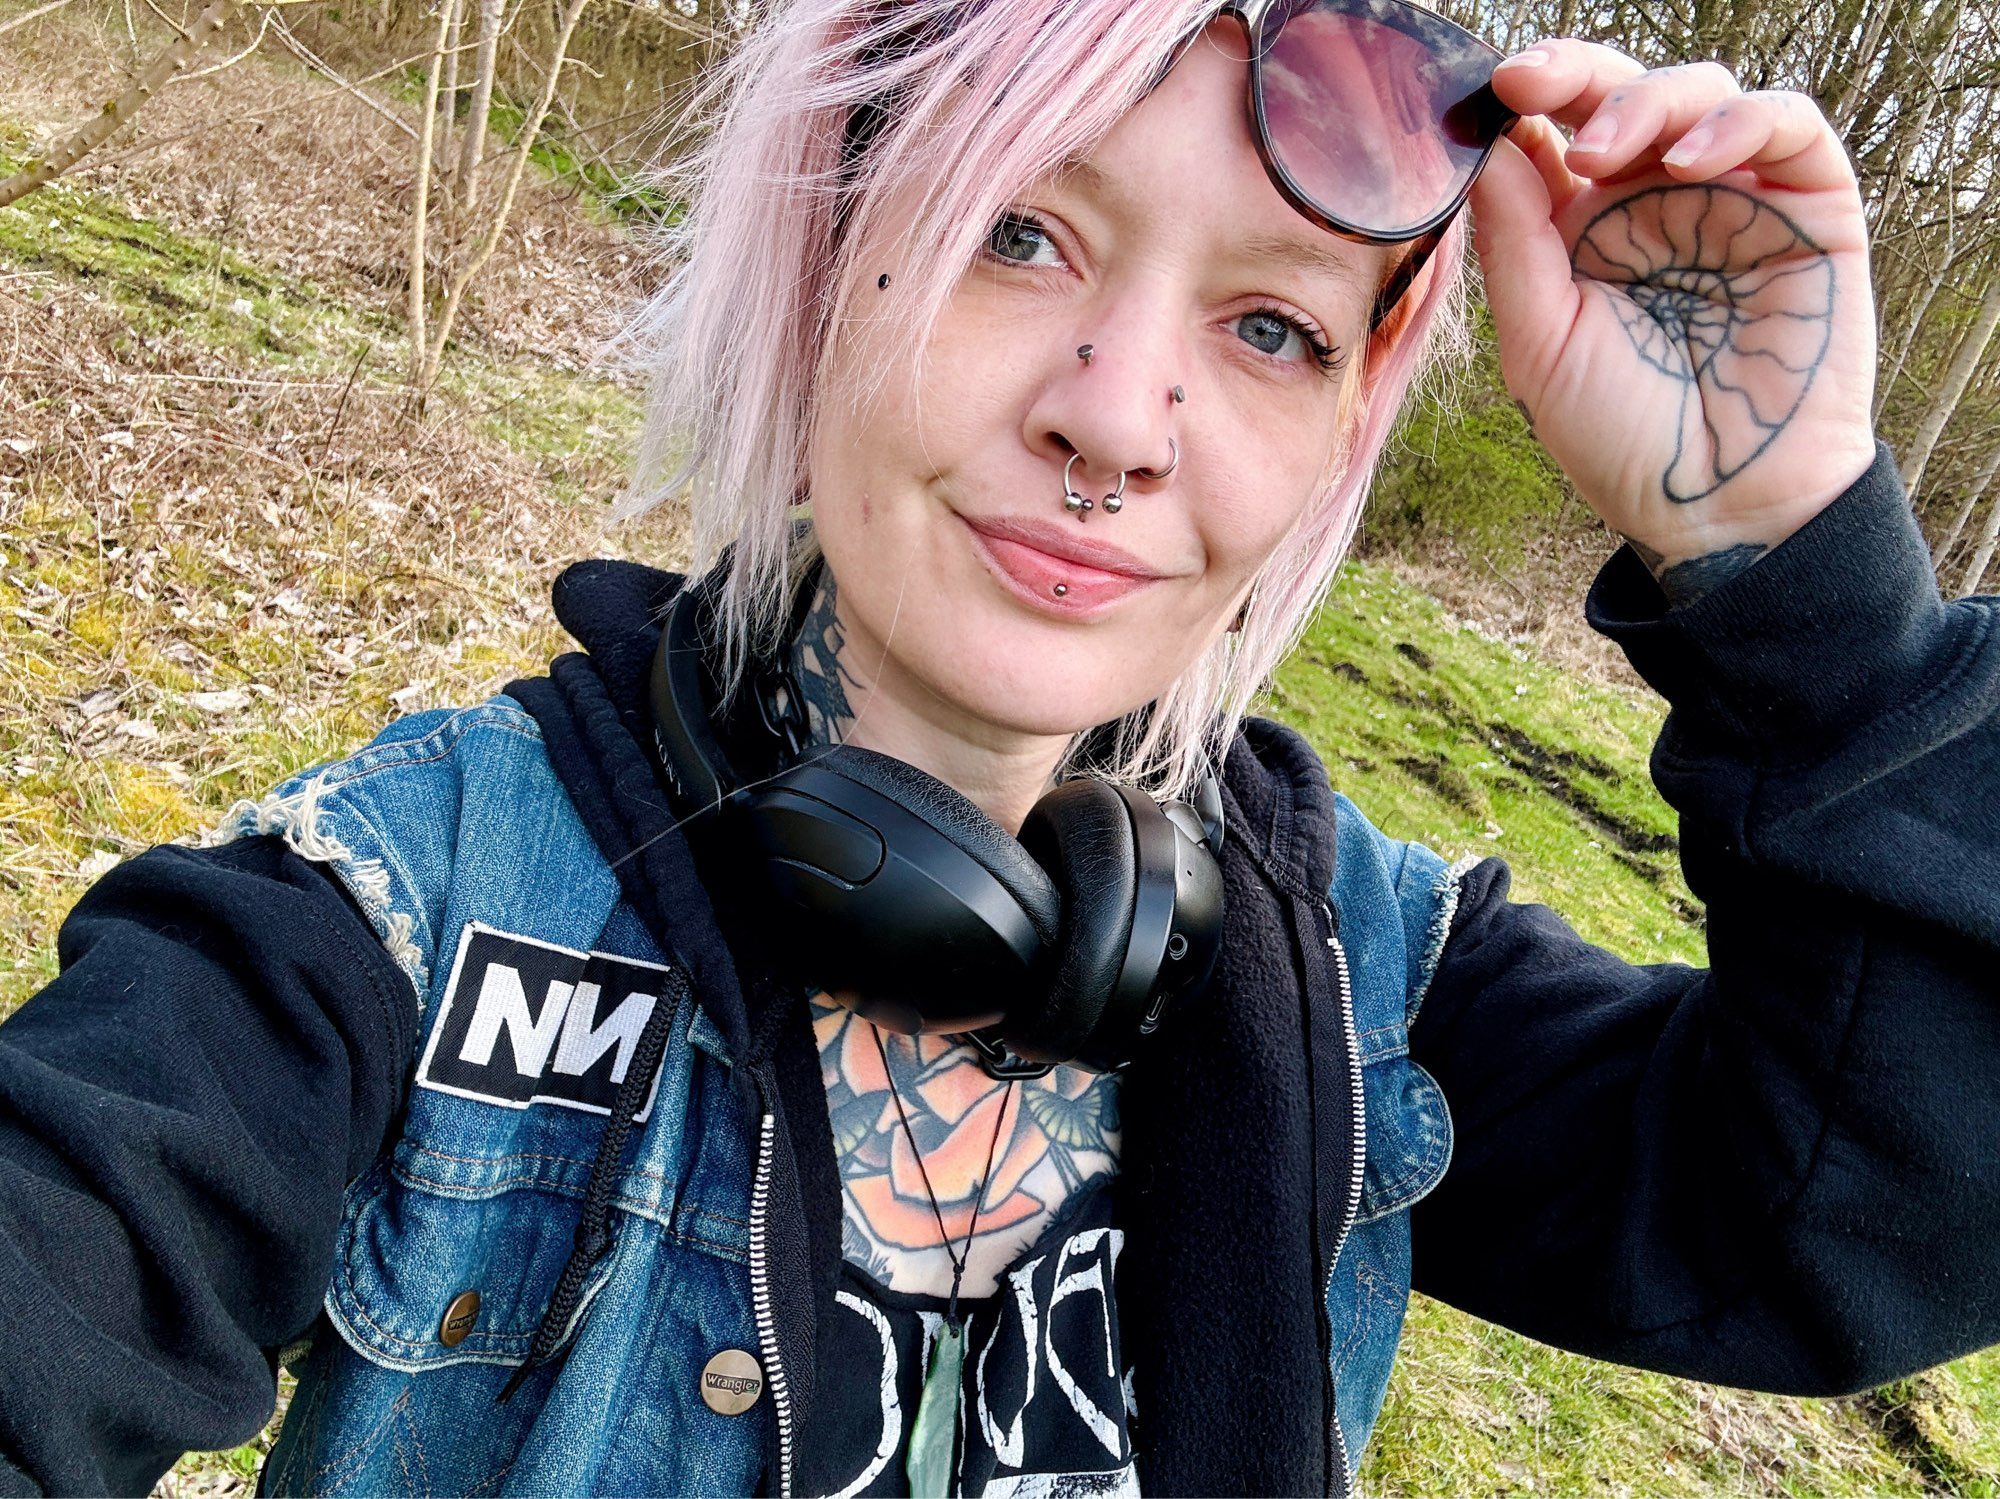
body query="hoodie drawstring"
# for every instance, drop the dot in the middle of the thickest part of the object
(593, 1229)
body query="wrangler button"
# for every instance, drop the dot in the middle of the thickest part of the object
(731, 1382)
(458, 1318)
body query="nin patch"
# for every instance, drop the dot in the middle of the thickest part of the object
(528, 1022)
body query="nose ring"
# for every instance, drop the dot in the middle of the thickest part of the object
(1073, 502)
(1147, 473)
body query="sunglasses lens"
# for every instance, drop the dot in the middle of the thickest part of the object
(1379, 112)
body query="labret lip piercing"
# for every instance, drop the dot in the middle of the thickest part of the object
(1062, 590)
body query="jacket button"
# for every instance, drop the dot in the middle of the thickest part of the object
(458, 1318)
(731, 1382)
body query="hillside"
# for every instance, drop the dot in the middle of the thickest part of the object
(229, 549)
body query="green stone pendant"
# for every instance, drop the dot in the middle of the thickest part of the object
(935, 1431)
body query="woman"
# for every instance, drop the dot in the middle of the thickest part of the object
(496, 1077)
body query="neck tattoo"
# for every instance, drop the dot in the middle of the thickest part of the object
(819, 670)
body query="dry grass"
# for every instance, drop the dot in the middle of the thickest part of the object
(230, 548)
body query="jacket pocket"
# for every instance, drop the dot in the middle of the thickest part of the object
(415, 1240)
(1409, 1134)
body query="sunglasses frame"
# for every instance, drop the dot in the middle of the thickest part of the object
(1424, 238)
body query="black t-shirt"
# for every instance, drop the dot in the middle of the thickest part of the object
(1044, 1400)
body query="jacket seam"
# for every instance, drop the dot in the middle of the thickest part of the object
(386, 755)
(1446, 889)
(385, 1002)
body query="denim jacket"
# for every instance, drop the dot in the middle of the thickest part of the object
(454, 821)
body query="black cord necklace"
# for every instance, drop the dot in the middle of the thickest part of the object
(964, 1254)
(932, 1461)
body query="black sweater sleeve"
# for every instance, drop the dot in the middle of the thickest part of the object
(180, 1111)
(1781, 1171)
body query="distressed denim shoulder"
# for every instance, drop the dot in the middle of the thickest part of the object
(457, 840)
(1396, 901)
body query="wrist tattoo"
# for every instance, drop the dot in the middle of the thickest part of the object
(1687, 580)
(819, 669)
(1727, 299)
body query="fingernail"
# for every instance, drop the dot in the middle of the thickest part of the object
(1523, 60)
(1599, 133)
(1690, 147)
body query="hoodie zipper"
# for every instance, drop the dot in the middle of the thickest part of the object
(1356, 1167)
(760, 1300)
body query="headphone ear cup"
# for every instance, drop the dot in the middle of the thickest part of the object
(1082, 833)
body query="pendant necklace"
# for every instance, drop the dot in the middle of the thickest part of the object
(934, 1433)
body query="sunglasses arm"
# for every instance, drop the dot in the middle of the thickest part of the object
(1405, 272)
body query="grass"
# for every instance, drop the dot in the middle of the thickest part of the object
(227, 550)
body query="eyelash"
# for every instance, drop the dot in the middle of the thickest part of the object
(1329, 359)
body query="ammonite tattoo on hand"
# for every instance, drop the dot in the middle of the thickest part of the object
(1726, 297)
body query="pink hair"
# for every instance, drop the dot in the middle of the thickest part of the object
(985, 97)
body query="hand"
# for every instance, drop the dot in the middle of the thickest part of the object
(1682, 301)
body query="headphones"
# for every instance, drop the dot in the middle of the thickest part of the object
(905, 901)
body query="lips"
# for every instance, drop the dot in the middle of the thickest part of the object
(1032, 559)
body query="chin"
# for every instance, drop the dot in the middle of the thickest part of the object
(1029, 677)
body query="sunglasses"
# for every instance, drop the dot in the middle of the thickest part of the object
(1373, 117)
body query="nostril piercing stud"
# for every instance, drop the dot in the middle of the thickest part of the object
(1062, 590)
(1083, 352)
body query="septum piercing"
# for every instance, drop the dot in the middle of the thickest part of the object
(1073, 502)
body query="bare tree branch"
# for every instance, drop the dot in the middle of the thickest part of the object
(113, 117)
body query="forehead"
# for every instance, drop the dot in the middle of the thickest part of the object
(1186, 156)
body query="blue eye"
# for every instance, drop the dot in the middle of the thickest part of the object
(1017, 232)
(1270, 321)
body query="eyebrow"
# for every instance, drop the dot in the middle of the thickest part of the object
(1324, 259)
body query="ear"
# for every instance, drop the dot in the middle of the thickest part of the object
(1387, 336)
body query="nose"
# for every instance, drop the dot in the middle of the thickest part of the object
(1114, 411)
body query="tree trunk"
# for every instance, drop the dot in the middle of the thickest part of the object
(1941, 553)
(1964, 364)
(1975, 570)
(420, 212)
(1911, 328)
(474, 146)
(496, 221)
(454, 34)
(156, 75)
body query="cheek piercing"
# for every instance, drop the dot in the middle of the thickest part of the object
(1062, 590)
(881, 281)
